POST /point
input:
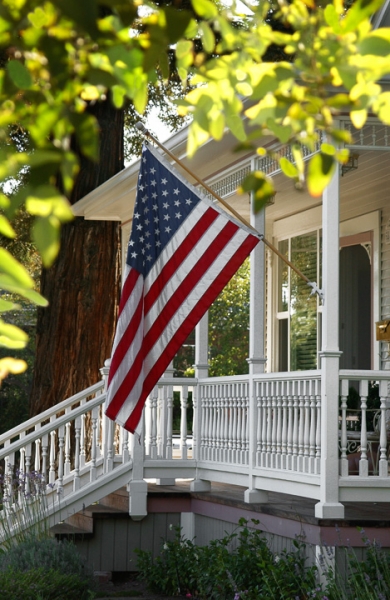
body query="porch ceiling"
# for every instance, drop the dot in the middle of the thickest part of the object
(361, 190)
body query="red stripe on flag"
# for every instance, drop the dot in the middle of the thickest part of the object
(170, 308)
(179, 256)
(126, 340)
(187, 326)
(188, 283)
(127, 289)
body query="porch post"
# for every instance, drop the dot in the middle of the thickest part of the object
(201, 371)
(257, 357)
(329, 505)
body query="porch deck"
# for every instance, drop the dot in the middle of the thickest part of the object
(284, 514)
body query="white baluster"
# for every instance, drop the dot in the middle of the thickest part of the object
(269, 425)
(77, 435)
(284, 424)
(274, 424)
(61, 444)
(82, 441)
(205, 423)
(259, 411)
(306, 434)
(169, 422)
(37, 456)
(28, 454)
(296, 425)
(183, 422)
(383, 465)
(45, 449)
(153, 425)
(290, 404)
(278, 425)
(264, 422)
(67, 465)
(363, 463)
(125, 445)
(318, 428)
(344, 441)
(109, 428)
(312, 433)
(52, 470)
(301, 433)
(94, 420)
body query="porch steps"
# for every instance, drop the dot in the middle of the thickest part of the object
(81, 523)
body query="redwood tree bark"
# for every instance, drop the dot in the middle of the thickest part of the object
(75, 332)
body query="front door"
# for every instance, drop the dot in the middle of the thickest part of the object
(355, 301)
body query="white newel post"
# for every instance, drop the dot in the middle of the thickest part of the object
(201, 371)
(329, 505)
(257, 357)
(138, 488)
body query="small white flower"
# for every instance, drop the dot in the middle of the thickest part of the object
(165, 547)
(170, 527)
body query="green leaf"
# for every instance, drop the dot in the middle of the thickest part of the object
(83, 13)
(11, 365)
(13, 333)
(176, 22)
(46, 235)
(205, 8)
(358, 118)
(260, 186)
(320, 172)
(14, 270)
(19, 74)
(6, 228)
(118, 95)
(6, 305)
(282, 132)
(376, 43)
(358, 12)
(217, 126)
(183, 47)
(87, 134)
(288, 168)
(208, 39)
(30, 295)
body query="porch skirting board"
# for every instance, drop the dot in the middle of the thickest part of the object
(111, 543)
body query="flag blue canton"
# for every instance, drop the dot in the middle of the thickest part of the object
(163, 202)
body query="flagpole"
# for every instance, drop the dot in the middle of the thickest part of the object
(143, 129)
(315, 289)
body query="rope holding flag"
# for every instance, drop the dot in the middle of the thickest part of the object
(183, 250)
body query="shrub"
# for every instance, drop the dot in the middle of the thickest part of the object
(62, 572)
(39, 584)
(239, 566)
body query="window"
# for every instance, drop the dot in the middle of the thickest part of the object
(297, 313)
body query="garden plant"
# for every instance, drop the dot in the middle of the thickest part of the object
(242, 566)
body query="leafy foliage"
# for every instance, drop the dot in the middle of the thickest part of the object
(240, 565)
(57, 58)
(228, 326)
(39, 583)
(336, 63)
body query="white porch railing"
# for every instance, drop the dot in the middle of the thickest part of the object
(264, 430)
(364, 426)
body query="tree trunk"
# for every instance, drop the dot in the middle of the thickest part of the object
(75, 332)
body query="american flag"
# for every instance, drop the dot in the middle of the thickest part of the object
(183, 250)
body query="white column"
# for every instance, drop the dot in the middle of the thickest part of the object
(329, 505)
(202, 347)
(201, 371)
(257, 357)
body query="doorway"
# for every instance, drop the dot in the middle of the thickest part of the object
(356, 301)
